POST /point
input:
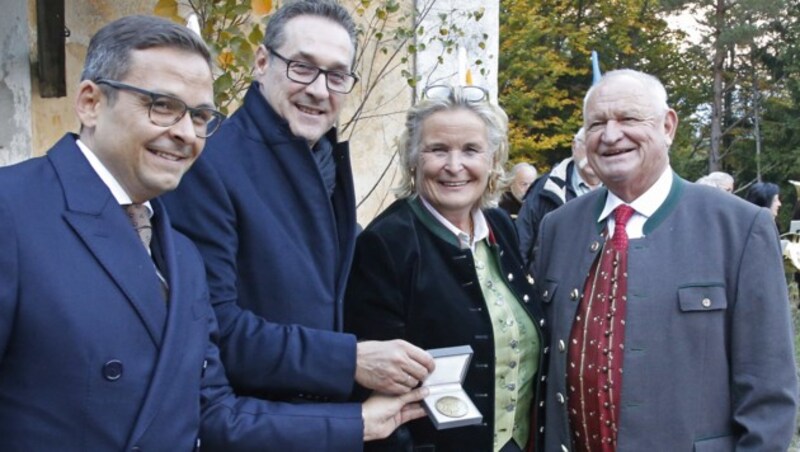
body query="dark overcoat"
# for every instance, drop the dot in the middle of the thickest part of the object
(277, 249)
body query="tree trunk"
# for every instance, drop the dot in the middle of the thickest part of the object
(714, 163)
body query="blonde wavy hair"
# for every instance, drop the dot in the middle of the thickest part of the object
(410, 142)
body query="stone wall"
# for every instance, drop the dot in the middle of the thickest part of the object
(15, 87)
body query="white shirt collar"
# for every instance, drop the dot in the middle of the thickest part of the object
(645, 205)
(105, 175)
(478, 222)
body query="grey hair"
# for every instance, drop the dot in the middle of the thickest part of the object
(720, 178)
(519, 166)
(109, 52)
(654, 87)
(274, 36)
(410, 142)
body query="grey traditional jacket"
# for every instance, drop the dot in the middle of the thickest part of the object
(708, 362)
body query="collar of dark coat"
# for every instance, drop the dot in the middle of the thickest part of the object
(669, 204)
(271, 126)
(558, 182)
(438, 228)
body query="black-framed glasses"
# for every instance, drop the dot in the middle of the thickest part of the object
(306, 73)
(471, 94)
(165, 110)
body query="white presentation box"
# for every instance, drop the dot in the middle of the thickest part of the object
(447, 405)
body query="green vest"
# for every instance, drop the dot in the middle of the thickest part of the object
(517, 347)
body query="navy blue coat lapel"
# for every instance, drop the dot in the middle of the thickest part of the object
(171, 355)
(95, 216)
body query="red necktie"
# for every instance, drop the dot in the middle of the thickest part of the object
(594, 370)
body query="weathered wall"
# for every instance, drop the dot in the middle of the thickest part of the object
(51, 118)
(15, 88)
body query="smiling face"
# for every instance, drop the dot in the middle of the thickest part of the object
(454, 164)
(627, 136)
(147, 160)
(311, 110)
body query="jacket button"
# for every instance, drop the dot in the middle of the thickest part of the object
(112, 370)
(561, 346)
(559, 398)
(574, 295)
(530, 279)
(595, 246)
(526, 298)
(564, 448)
(545, 293)
(706, 303)
(510, 276)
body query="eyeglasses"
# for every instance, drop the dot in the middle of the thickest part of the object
(166, 111)
(470, 94)
(305, 73)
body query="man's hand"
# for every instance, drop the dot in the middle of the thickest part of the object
(382, 414)
(391, 367)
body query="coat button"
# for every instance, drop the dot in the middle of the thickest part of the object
(574, 295)
(545, 294)
(510, 276)
(112, 370)
(595, 246)
(530, 279)
(564, 448)
(561, 346)
(706, 303)
(560, 398)
(526, 298)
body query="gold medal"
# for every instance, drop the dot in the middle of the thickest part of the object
(451, 406)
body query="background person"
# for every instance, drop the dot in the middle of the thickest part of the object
(522, 176)
(675, 333)
(767, 195)
(105, 327)
(439, 269)
(571, 178)
(270, 206)
(719, 179)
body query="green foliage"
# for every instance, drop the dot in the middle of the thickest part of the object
(545, 67)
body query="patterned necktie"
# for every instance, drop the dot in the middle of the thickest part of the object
(622, 214)
(594, 370)
(139, 215)
(140, 219)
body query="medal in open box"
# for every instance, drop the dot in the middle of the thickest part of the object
(447, 404)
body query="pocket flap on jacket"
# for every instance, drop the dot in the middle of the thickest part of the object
(702, 298)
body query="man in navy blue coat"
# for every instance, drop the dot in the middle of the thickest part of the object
(271, 207)
(106, 337)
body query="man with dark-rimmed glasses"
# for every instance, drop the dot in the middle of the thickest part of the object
(271, 207)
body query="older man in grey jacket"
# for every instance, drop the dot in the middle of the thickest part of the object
(691, 349)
